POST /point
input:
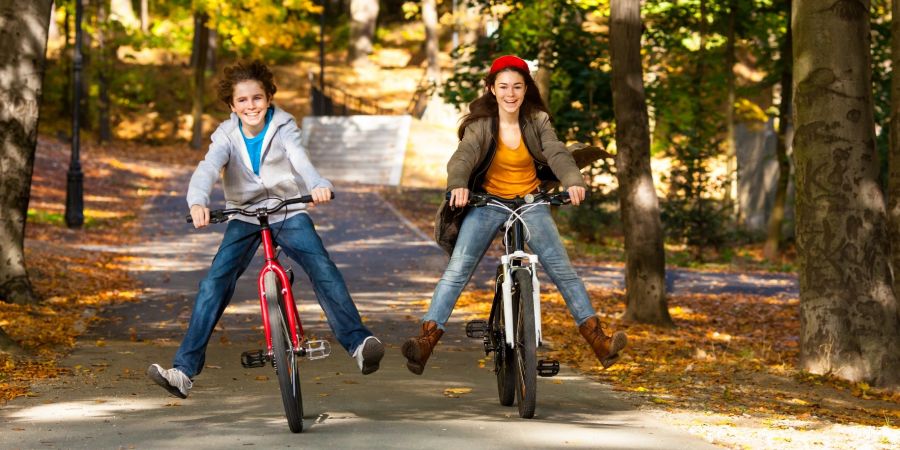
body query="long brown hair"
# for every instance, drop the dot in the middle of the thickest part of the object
(486, 105)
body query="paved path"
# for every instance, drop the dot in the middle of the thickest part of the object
(109, 403)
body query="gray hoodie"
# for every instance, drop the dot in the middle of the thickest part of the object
(284, 170)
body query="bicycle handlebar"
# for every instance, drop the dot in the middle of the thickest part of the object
(482, 199)
(221, 215)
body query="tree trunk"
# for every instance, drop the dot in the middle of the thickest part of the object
(893, 184)
(201, 40)
(430, 18)
(363, 14)
(731, 190)
(645, 259)
(123, 11)
(145, 16)
(22, 65)
(213, 49)
(772, 247)
(545, 55)
(105, 66)
(849, 323)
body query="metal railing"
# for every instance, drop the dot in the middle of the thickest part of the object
(329, 100)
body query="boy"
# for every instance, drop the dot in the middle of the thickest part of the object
(260, 150)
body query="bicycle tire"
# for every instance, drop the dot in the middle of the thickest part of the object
(284, 359)
(526, 346)
(504, 360)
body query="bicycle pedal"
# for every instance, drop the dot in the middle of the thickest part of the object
(547, 367)
(253, 358)
(316, 349)
(476, 329)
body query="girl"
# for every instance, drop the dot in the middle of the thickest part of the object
(506, 142)
(260, 151)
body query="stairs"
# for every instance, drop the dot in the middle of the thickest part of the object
(362, 149)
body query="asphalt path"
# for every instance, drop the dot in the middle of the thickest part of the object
(107, 401)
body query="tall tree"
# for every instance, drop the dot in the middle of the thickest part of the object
(430, 19)
(772, 247)
(145, 16)
(731, 190)
(362, 30)
(849, 323)
(201, 42)
(645, 259)
(105, 53)
(893, 181)
(22, 65)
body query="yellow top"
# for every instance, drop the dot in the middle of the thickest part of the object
(511, 172)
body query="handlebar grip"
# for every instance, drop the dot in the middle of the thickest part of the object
(215, 216)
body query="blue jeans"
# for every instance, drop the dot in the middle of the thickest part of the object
(298, 238)
(475, 235)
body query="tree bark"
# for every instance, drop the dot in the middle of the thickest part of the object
(430, 19)
(893, 184)
(104, 64)
(123, 11)
(22, 65)
(201, 40)
(772, 247)
(731, 190)
(545, 54)
(145, 16)
(363, 14)
(645, 259)
(849, 323)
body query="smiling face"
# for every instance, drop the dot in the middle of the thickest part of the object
(250, 103)
(509, 88)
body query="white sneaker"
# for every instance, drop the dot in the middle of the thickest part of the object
(173, 380)
(368, 355)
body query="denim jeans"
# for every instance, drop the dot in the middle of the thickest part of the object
(299, 240)
(475, 235)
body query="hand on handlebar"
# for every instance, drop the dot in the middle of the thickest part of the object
(199, 216)
(576, 194)
(320, 195)
(459, 197)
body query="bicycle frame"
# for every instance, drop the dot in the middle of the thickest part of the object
(518, 259)
(272, 265)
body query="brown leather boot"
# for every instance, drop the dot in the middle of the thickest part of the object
(418, 349)
(605, 347)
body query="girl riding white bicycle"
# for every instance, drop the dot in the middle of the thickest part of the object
(507, 144)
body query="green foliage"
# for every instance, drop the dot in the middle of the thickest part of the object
(580, 95)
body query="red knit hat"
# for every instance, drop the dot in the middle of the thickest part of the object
(508, 61)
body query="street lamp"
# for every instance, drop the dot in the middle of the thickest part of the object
(74, 178)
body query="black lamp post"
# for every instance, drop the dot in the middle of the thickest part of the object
(74, 185)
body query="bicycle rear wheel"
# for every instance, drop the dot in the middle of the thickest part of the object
(526, 347)
(285, 360)
(504, 359)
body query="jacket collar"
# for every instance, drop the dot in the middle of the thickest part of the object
(231, 128)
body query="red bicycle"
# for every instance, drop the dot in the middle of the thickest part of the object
(285, 339)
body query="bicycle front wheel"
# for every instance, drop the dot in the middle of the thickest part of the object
(526, 347)
(284, 358)
(504, 360)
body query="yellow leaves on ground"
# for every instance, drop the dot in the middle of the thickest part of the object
(72, 281)
(730, 354)
(456, 392)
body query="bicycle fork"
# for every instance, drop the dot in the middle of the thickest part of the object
(508, 263)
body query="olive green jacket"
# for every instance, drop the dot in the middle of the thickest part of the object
(475, 152)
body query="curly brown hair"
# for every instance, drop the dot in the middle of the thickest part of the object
(254, 70)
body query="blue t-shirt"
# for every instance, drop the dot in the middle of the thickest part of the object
(254, 144)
